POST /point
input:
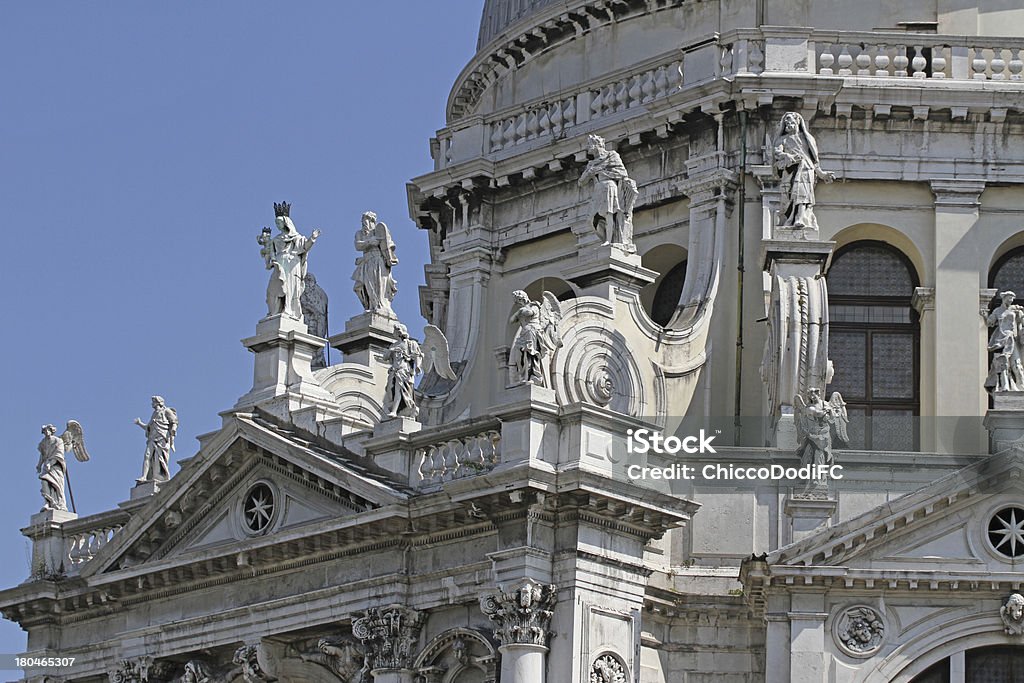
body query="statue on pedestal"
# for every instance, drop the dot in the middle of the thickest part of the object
(614, 195)
(314, 311)
(52, 468)
(285, 255)
(536, 339)
(1006, 372)
(794, 156)
(815, 420)
(160, 431)
(375, 286)
(406, 360)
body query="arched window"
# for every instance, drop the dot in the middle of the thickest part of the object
(1008, 274)
(874, 342)
(995, 664)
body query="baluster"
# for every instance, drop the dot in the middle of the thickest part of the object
(569, 114)
(451, 459)
(660, 82)
(647, 88)
(1016, 65)
(424, 466)
(755, 57)
(725, 63)
(509, 134)
(979, 64)
(863, 61)
(919, 62)
(545, 121)
(496, 136)
(495, 438)
(826, 60)
(596, 103)
(882, 61)
(532, 125)
(556, 118)
(845, 61)
(622, 96)
(939, 61)
(634, 92)
(998, 64)
(900, 61)
(476, 456)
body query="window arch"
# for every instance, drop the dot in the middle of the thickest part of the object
(874, 343)
(981, 665)
(1007, 273)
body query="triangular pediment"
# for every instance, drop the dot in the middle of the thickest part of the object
(944, 526)
(252, 484)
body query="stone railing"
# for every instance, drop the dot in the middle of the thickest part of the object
(458, 457)
(83, 538)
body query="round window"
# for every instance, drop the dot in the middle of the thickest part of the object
(258, 508)
(1006, 532)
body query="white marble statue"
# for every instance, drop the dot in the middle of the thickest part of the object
(160, 432)
(794, 156)
(615, 193)
(1012, 614)
(52, 468)
(314, 311)
(536, 339)
(815, 420)
(406, 360)
(1006, 372)
(285, 255)
(374, 284)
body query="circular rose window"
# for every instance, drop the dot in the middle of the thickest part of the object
(1006, 532)
(258, 508)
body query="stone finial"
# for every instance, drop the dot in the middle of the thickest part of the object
(538, 336)
(1012, 614)
(284, 255)
(389, 635)
(522, 615)
(374, 284)
(614, 194)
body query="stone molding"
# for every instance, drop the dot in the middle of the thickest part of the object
(522, 615)
(958, 193)
(389, 635)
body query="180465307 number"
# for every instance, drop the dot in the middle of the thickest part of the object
(43, 662)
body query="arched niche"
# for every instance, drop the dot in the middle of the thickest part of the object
(459, 655)
(560, 288)
(661, 298)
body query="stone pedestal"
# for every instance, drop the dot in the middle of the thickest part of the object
(283, 349)
(806, 515)
(366, 338)
(524, 415)
(145, 489)
(1005, 420)
(389, 446)
(49, 549)
(603, 269)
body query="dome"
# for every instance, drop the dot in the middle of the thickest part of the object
(500, 14)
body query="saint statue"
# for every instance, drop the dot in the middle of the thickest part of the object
(52, 468)
(160, 431)
(285, 255)
(314, 311)
(374, 284)
(615, 193)
(795, 160)
(1006, 372)
(536, 339)
(406, 360)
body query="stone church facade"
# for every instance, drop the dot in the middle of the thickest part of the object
(681, 216)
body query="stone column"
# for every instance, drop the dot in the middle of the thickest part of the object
(960, 355)
(389, 635)
(522, 617)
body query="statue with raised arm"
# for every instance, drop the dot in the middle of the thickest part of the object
(52, 468)
(1006, 372)
(160, 432)
(314, 310)
(615, 193)
(406, 360)
(815, 420)
(536, 339)
(374, 284)
(794, 157)
(285, 256)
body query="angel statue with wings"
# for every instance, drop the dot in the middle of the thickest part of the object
(538, 337)
(374, 284)
(52, 469)
(406, 360)
(815, 421)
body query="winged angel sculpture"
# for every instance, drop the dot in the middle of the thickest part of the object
(537, 338)
(814, 424)
(52, 468)
(407, 359)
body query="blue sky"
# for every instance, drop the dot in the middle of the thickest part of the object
(142, 146)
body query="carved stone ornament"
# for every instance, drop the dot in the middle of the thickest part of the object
(1012, 614)
(859, 631)
(247, 659)
(522, 615)
(343, 657)
(608, 669)
(135, 670)
(389, 636)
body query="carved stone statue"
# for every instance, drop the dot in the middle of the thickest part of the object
(198, 671)
(794, 156)
(614, 195)
(285, 255)
(1006, 372)
(341, 656)
(815, 421)
(375, 286)
(314, 310)
(52, 468)
(406, 360)
(536, 339)
(247, 659)
(160, 432)
(1012, 614)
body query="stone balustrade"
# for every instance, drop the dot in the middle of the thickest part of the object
(84, 538)
(458, 457)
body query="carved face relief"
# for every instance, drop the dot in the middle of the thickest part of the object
(859, 631)
(1012, 614)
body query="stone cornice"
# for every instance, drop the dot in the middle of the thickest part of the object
(957, 193)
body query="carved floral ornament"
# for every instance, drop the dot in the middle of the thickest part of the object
(607, 668)
(859, 630)
(388, 634)
(522, 615)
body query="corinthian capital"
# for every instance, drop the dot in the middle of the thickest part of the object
(389, 635)
(523, 614)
